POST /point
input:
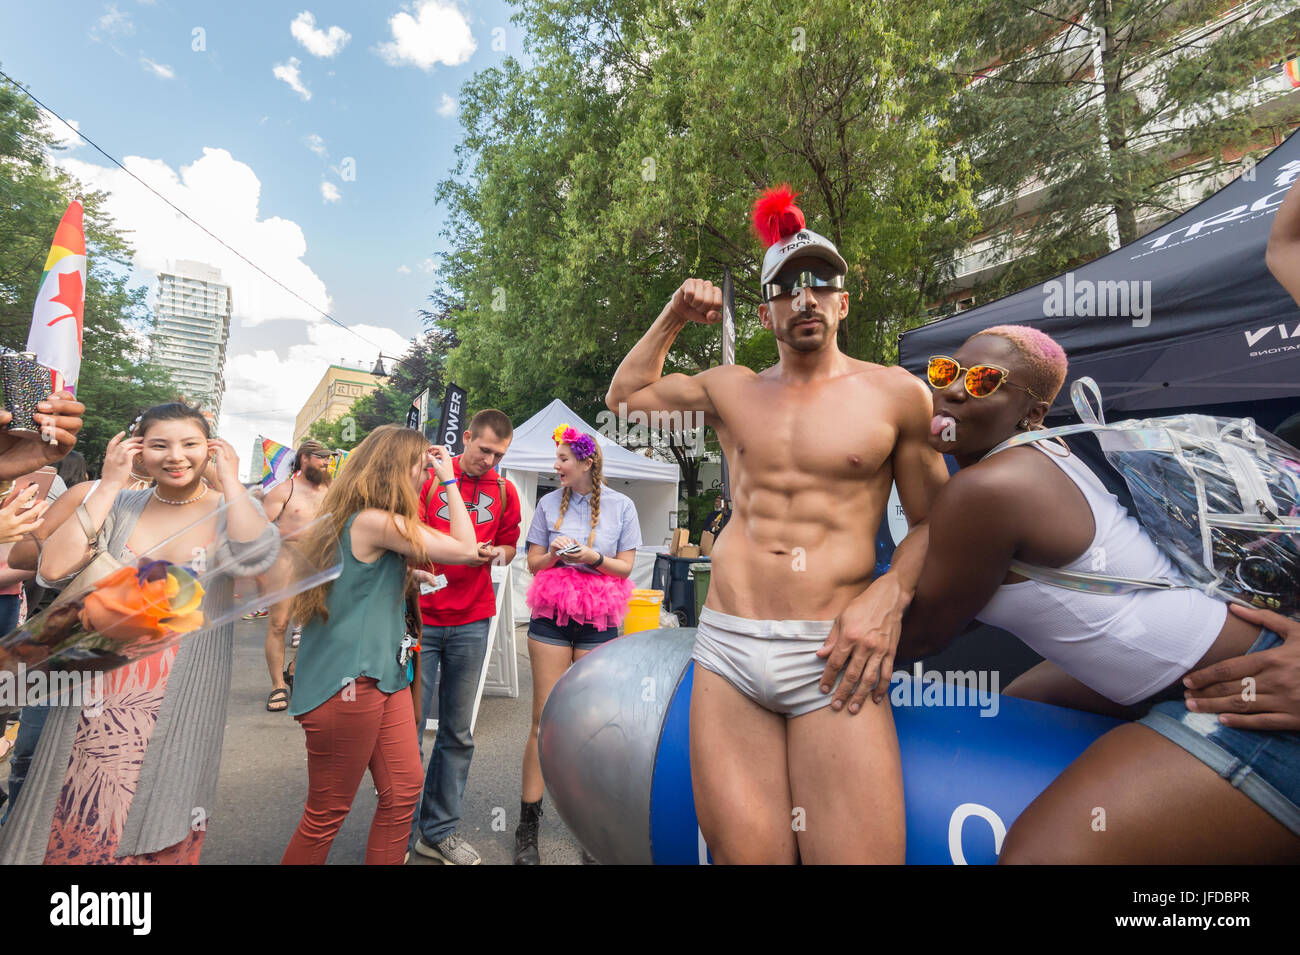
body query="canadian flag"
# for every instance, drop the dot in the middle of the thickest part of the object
(57, 318)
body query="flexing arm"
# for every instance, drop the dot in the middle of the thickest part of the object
(640, 384)
(1283, 253)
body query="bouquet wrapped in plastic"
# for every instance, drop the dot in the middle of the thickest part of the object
(146, 607)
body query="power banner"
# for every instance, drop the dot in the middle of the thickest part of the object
(454, 418)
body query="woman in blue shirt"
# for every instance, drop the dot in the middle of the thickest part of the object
(581, 545)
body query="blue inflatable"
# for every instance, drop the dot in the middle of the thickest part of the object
(614, 746)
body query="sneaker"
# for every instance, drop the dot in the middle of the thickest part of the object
(295, 636)
(452, 850)
(530, 816)
(256, 614)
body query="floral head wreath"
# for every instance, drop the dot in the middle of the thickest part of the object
(580, 444)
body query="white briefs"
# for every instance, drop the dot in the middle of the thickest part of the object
(773, 662)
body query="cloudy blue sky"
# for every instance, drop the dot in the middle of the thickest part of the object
(308, 135)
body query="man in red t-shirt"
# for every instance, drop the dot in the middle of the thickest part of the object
(456, 617)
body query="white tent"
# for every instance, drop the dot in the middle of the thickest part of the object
(652, 486)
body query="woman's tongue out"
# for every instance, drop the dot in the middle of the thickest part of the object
(941, 422)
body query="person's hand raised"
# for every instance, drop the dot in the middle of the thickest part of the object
(59, 418)
(697, 301)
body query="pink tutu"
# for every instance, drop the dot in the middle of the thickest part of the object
(565, 593)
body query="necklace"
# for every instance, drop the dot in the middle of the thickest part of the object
(197, 497)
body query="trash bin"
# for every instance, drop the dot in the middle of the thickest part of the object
(642, 611)
(701, 574)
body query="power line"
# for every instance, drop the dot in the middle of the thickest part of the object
(201, 226)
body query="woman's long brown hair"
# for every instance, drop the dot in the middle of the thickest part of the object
(377, 475)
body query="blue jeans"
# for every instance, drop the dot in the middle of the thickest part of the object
(453, 657)
(30, 723)
(1263, 764)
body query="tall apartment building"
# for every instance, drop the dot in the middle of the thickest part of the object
(191, 328)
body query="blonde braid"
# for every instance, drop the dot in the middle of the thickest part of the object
(564, 506)
(597, 467)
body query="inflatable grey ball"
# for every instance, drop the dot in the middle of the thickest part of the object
(598, 736)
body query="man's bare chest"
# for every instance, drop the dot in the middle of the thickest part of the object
(842, 428)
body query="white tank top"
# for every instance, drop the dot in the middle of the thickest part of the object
(1124, 646)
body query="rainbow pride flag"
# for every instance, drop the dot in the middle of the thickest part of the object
(336, 462)
(1292, 70)
(277, 463)
(62, 296)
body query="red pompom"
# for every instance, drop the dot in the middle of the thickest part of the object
(776, 215)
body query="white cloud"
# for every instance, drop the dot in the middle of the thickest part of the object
(428, 265)
(222, 193)
(265, 388)
(318, 42)
(330, 192)
(447, 107)
(317, 145)
(289, 73)
(437, 33)
(63, 136)
(157, 69)
(115, 22)
(404, 269)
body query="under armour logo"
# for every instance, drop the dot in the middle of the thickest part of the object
(480, 509)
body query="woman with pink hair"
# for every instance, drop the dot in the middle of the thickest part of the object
(581, 545)
(1177, 786)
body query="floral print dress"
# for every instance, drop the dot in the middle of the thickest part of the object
(104, 770)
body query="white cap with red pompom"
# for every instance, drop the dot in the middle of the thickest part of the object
(780, 225)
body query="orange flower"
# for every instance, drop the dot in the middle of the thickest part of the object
(122, 607)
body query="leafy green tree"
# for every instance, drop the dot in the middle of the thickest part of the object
(117, 380)
(1113, 115)
(626, 157)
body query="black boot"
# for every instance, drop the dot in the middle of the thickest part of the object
(530, 815)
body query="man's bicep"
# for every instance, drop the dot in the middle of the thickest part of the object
(675, 392)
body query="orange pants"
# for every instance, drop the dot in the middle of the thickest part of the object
(375, 730)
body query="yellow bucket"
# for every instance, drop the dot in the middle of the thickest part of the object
(643, 611)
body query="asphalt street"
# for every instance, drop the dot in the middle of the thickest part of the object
(263, 782)
(264, 777)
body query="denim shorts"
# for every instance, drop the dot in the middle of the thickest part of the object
(576, 636)
(1263, 764)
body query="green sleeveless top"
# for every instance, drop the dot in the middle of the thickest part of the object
(366, 625)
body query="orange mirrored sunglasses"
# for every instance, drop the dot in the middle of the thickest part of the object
(981, 380)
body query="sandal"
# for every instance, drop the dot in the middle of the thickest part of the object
(288, 675)
(279, 695)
